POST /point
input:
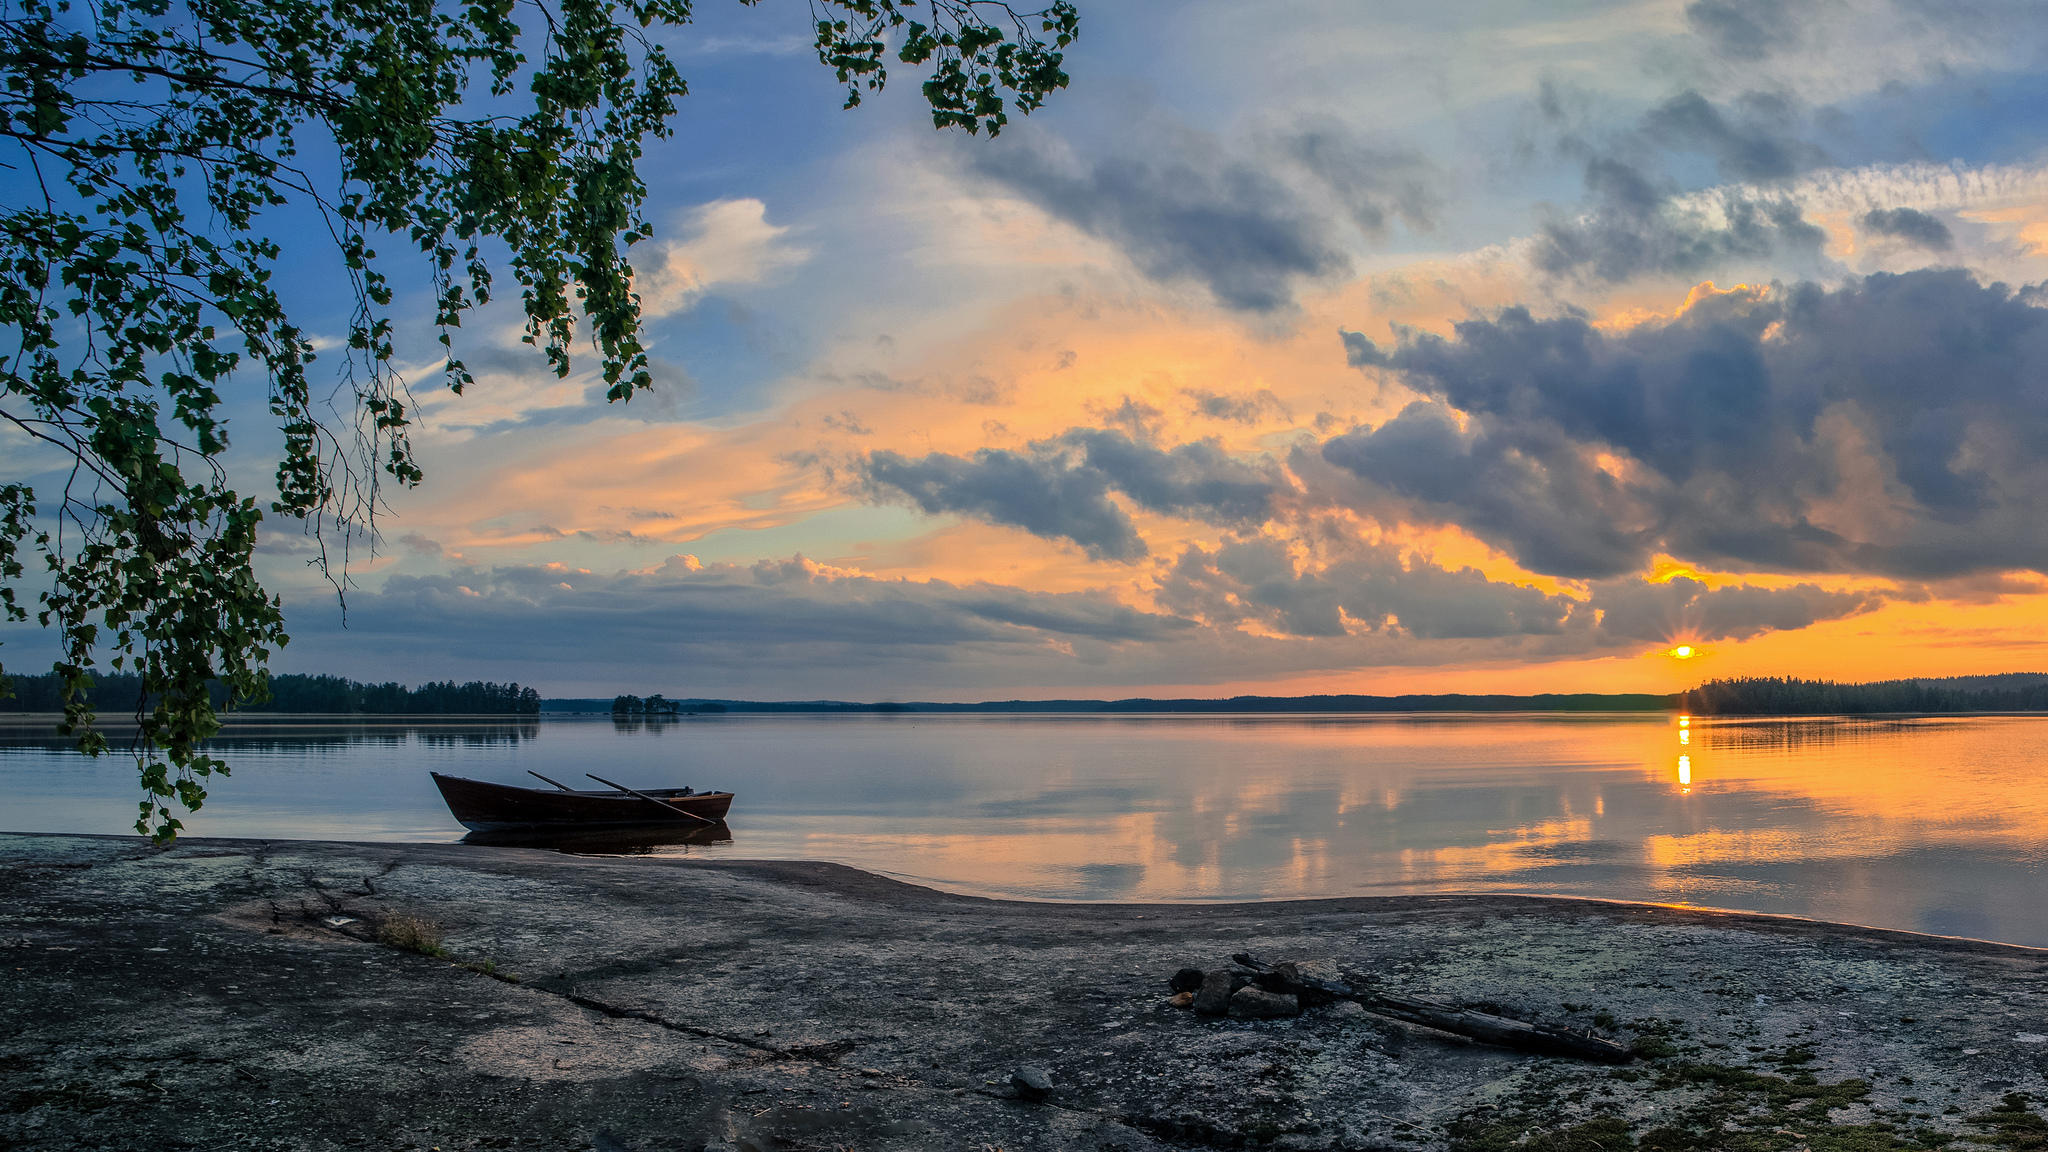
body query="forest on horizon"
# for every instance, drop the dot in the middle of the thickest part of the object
(323, 695)
(1733, 696)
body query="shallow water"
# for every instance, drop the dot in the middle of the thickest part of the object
(1934, 825)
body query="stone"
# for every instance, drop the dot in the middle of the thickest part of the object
(1253, 1003)
(1213, 998)
(1346, 1012)
(1321, 969)
(1182, 1000)
(1032, 1082)
(1186, 980)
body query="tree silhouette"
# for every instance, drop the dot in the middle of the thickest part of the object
(484, 136)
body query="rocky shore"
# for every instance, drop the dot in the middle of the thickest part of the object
(300, 995)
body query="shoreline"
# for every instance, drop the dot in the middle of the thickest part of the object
(253, 993)
(1080, 710)
(1506, 902)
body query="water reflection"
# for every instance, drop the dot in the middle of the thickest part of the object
(629, 840)
(1799, 734)
(640, 722)
(1939, 825)
(285, 735)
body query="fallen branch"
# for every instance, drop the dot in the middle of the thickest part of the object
(1543, 1039)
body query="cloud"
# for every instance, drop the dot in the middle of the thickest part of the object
(795, 628)
(686, 615)
(723, 242)
(1928, 188)
(1746, 29)
(1374, 186)
(421, 545)
(1910, 225)
(1060, 487)
(1688, 609)
(1755, 29)
(1041, 496)
(1248, 226)
(1895, 425)
(1238, 409)
(792, 44)
(1752, 141)
(1635, 223)
(1637, 220)
(1530, 491)
(1369, 589)
(1849, 49)
(1372, 589)
(1134, 416)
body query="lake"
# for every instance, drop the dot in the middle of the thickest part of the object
(1929, 824)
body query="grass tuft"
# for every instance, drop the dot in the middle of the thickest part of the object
(411, 934)
(488, 967)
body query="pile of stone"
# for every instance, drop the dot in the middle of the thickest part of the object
(1246, 995)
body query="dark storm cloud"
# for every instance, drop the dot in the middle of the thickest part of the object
(1371, 589)
(1895, 425)
(1247, 227)
(1910, 225)
(1060, 487)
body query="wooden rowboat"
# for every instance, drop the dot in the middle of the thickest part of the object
(485, 807)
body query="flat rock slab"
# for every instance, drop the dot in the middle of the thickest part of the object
(233, 994)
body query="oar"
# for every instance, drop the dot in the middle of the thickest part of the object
(556, 783)
(649, 799)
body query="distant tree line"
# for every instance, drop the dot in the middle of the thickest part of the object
(658, 705)
(1786, 696)
(1548, 702)
(116, 693)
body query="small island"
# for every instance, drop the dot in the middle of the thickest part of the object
(658, 707)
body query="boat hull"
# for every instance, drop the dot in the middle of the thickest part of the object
(607, 839)
(482, 806)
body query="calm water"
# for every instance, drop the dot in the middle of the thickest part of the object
(1930, 824)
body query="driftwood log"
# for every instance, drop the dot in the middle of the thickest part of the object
(1543, 1039)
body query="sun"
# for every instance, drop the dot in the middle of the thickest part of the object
(1682, 652)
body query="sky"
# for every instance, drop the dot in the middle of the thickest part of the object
(1298, 347)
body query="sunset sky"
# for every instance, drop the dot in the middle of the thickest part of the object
(1298, 347)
